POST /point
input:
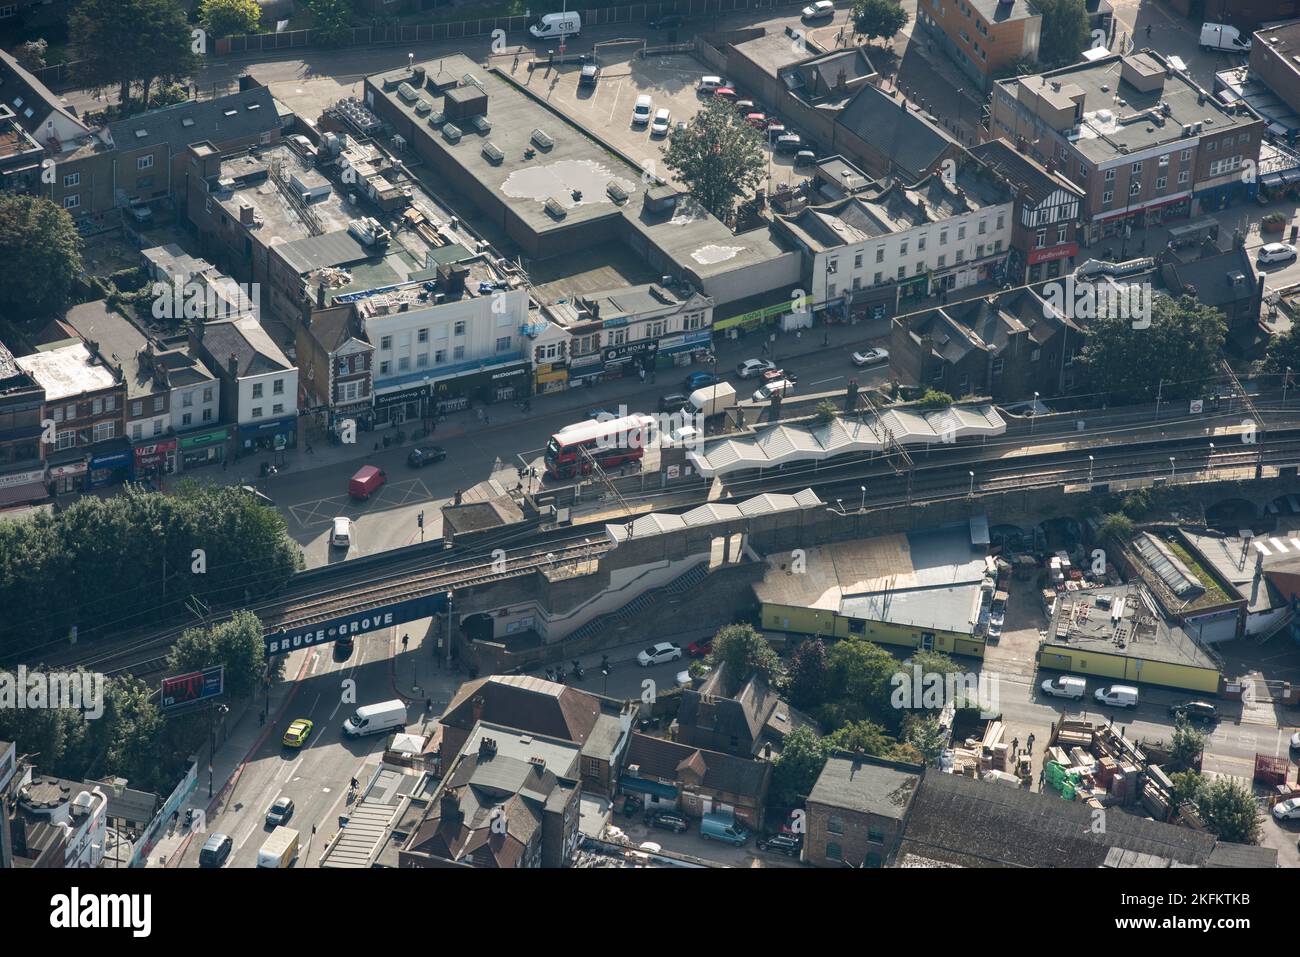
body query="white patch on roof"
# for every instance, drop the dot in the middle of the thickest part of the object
(712, 254)
(558, 180)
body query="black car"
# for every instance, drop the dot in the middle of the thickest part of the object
(423, 455)
(1195, 711)
(589, 75)
(672, 402)
(781, 844)
(668, 822)
(279, 812)
(215, 850)
(669, 21)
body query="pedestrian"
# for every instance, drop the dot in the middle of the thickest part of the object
(1029, 743)
(1015, 746)
(1148, 31)
(405, 639)
(433, 427)
(428, 705)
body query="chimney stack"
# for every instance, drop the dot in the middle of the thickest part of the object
(449, 807)
(320, 293)
(487, 748)
(539, 764)
(232, 366)
(478, 708)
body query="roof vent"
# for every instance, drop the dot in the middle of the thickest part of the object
(542, 140)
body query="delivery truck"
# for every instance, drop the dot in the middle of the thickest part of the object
(280, 849)
(376, 719)
(1224, 38)
(711, 400)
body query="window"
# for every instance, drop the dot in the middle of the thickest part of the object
(857, 626)
(1083, 169)
(422, 360)
(66, 439)
(943, 237)
(207, 394)
(983, 227)
(385, 342)
(1110, 176)
(1161, 182)
(97, 406)
(70, 412)
(403, 363)
(1186, 155)
(857, 261)
(72, 202)
(1040, 239)
(187, 418)
(832, 266)
(960, 257)
(902, 272)
(880, 254)
(1137, 168)
(103, 430)
(834, 825)
(137, 432)
(1211, 146)
(1001, 220)
(830, 290)
(459, 330)
(439, 356)
(422, 335)
(110, 403)
(961, 231)
(1035, 355)
(875, 835)
(1106, 197)
(1062, 233)
(879, 278)
(503, 344)
(943, 261)
(277, 409)
(384, 367)
(257, 411)
(979, 251)
(207, 415)
(997, 246)
(902, 248)
(72, 179)
(920, 266)
(458, 353)
(1135, 188)
(1243, 138)
(1183, 176)
(158, 403)
(137, 409)
(144, 162)
(187, 400)
(997, 366)
(834, 853)
(157, 427)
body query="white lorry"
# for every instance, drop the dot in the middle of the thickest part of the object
(1224, 38)
(376, 719)
(280, 849)
(711, 400)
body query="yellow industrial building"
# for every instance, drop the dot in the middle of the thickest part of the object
(921, 590)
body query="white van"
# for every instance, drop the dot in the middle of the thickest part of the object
(1225, 38)
(341, 537)
(376, 719)
(1065, 686)
(1118, 696)
(556, 26)
(781, 387)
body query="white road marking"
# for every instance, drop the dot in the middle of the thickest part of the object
(833, 379)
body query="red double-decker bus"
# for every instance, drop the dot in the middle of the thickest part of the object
(610, 444)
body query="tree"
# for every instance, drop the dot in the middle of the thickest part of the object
(119, 42)
(32, 54)
(1187, 745)
(878, 18)
(807, 681)
(718, 156)
(1188, 786)
(332, 21)
(1173, 354)
(803, 755)
(1229, 810)
(1064, 34)
(744, 652)
(934, 400)
(859, 673)
(865, 736)
(228, 18)
(43, 248)
(236, 643)
(923, 733)
(1116, 526)
(825, 412)
(1283, 353)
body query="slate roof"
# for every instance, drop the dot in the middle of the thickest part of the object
(741, 716)
(527, 703)
(867, 785)
(119, 342)
(971, 823)
(911, 141)
(208, 121)
(1022, 172)
(254, 351)
(664, 759)
(16, 81)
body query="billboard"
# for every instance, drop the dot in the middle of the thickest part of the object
(182, 690)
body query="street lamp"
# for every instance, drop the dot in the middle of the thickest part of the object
(1171, 466)
(1033, 414)
(1286, 380)
(449, 597)
(1089, 469)
(972, 483)
(1209, 461)
(863, 507)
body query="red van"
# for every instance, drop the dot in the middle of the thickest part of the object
(366, 482)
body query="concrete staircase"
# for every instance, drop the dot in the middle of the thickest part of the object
(642, 602)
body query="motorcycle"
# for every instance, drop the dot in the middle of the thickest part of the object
(577, 671)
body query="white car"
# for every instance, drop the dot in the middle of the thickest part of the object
(1276, 253)
(642, 110)
(684, 435)
(658, 654)
(752, 367)
(1287, 810)
(1295, 741)
(661, 123)
(815, 11)
(341, 537)
(780, 387)
(710, 83)
(870, 357)
(1065, 686)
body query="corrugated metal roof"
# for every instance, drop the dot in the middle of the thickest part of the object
(315, 252)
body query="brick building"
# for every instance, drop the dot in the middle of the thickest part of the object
(857, 810)
(983, 37)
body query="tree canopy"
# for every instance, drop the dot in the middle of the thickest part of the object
(228, 18)
(117, 43)
(744, 652)
(1064, 34)
(43, 249)
(718, 156)
(879, 18)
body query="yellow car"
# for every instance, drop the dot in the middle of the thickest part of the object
(298, 732)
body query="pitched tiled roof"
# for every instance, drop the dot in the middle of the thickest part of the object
(528, 704)
(659, 758)
(866, 784)
(911, 141)
(1023, 172)
(235, 116)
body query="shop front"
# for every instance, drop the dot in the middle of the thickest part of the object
(550, 377)
(277, 435)
(1048, 263)
(914, 289)
(155, 460)
(204, 447)
(110, 463)
(27, 485)
(69, 474)
(585, 370)
(630, 358)
(735, 326)
(398, 406)
(680, 349)
(1123, 221)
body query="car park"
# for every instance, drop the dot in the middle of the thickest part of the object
(423, 455)
(666, 821)
(279, 812)
(1276, 253)
(818, 11)
(658, 654)
(642, 109)
(298, 732)
(786, 844)
(1195, 711)
(1288, 810)
(662, 121)
(1065, 686)
(672, 402)
(698, 380)
(870, 357)
(754, 367)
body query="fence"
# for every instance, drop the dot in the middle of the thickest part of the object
(461, 29)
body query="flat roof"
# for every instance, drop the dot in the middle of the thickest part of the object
(1233, 558)
(1122, 620)
(67, 371)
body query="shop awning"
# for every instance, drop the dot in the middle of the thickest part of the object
(31, 492)
(644, 786)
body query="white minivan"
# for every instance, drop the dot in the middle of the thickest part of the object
(1065, 686)
(1224, 38)
(376, 719)
(554, 26)
(1118, 696)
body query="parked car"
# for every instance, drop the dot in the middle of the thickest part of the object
(745, 106)
(771, 375)
(1065, 686)
(804, 158)
(672, 402)
(725, 93)
(216, 849)
(700, 649)
(279, 812)
(870, 357)
(589, 75)
(710, 84)
(642, 109)
(298, 733)
(1276, 253)
(662, 120)
(818, 11)
(786, 844)
(754, 367)
(788, 143)
(698, 380)
(423, 455)
(631, 804)
(341, 536)
(775, 129)
(343, 648)
(601, 415)
(658, 654)
(1119, 696)
(725, 828)
(667, 822)
(1195, 711)
(669, 21)
(781, 387)
(366, 482)
(757, 120)
(1287, 810)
